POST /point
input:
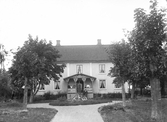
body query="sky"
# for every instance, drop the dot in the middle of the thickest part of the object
(73, 22)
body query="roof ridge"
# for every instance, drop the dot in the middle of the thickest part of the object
(82, 45)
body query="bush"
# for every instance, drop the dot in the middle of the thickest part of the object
(62, 98)
(51, 96)
(110, 96)
(5, 89)
(11, 103)
(48, 96)
(60, 95)
(38, 98)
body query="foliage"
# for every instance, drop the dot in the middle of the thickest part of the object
(5, 88)
(136, 111)
(120, 55)
(36, 61)
(147, 41)
(63, 102)
(109, 96)
(9, 114)
(50, 96)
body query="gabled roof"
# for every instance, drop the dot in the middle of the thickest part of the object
(83, 53)
(79, 76)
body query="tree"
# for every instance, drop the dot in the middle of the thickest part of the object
(35, 63)
(119, 55)
(148, 37)
(5, 88)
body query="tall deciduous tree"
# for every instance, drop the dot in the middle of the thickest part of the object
(5, 88)
(148, 37)
(34, 64)
(120, 54)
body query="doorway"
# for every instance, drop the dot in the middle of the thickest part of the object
(80, 86)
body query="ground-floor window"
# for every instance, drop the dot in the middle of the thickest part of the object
(88, 84)
(102, 84)
(57, 85)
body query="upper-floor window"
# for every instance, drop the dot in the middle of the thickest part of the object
(102, 84)
(101, 68)
(57, 85)
(79, 69)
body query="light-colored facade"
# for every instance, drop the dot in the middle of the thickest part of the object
(79, 75)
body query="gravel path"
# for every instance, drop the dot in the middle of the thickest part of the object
(81, 113)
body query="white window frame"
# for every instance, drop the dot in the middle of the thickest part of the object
(105, 85)
(55, 83)
(101, 66)
(81, 68)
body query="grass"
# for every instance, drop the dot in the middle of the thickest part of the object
(13, 112)
(136, 111)
(74, 103)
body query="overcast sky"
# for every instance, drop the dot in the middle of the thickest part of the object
(74, 22)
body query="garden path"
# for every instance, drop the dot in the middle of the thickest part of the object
(81, 113)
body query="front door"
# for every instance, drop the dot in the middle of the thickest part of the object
(80, 86)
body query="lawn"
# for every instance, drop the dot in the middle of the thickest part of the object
(74, 103)
(136, 111)
(13, 112)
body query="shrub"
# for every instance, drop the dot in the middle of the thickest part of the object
(47, 95)
(110, 96)
(38, 98)
(63, 98)
(5, 89)
(61, 95)
(51, 96)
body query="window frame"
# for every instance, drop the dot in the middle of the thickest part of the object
(101, 68)
(81, 68)
(105, 85)
(55, 84)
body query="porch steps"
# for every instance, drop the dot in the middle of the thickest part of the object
(79, 97)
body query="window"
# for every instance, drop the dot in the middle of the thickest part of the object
(42, 87)
(57, 85)
(102, 84)
(79, 69)
(102, 68)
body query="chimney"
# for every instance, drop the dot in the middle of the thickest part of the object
(58, 43)
(98, 41)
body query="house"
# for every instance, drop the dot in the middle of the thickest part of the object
(87, 68)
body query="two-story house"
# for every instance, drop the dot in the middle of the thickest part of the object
(87, 67)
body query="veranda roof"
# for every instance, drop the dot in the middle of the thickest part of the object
(77, 76)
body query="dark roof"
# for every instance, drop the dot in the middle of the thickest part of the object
(83, 53)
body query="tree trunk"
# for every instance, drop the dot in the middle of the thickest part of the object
(31, 96)
(123, 94)
(25, 95)
(31, 93)
(133, 91)
(155, 94)
(141, 91)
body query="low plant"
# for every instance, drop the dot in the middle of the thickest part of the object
(110, 96)
(48, 96)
